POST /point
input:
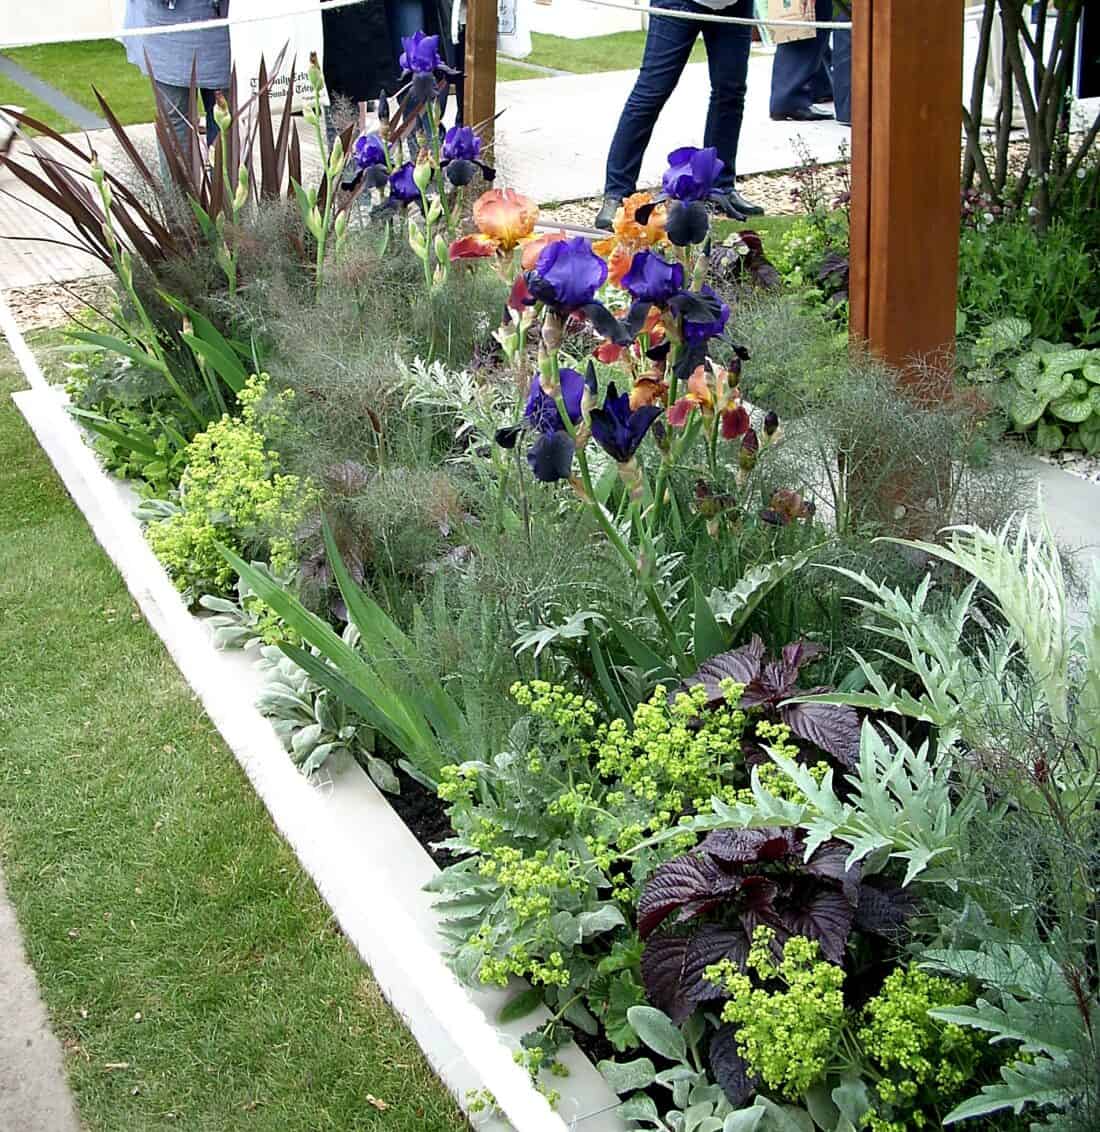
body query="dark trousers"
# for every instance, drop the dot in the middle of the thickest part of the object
(667, 49)
(797, 66)
(842, 74)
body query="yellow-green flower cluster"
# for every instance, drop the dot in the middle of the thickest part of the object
(786, 1036)
(674, 756)
(232, 489)
(518, 961)
(925, 1063)
(530, 880)
(572, 713)
(457, 783)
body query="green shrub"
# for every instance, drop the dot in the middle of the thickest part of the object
(233, 493)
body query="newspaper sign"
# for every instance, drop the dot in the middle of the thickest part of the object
(789, 10)
(300, 34)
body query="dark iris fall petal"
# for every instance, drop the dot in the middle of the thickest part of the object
(688, 223)
(551, 457)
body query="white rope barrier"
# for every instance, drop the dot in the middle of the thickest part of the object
(193, 25)
(707, 18)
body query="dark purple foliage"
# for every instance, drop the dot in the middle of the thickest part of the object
(768, 684)
(703, 907)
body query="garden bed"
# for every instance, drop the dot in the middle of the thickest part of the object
(368, 866)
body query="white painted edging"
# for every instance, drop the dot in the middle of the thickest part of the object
(365, 862)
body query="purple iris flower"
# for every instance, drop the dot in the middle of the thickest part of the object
(692, 173)
(421, 54)
(567, 274)
(542, 412)
(402, 186)
(617, 429)
(461, 143)
(369, 151)
(652, 279)
(697, 332)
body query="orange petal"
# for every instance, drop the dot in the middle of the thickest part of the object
(533, 247)
(506, 216)
(476, 246)
(698, 389)
(603, 248)
(619, 264)
(608, 352)
(646, 391)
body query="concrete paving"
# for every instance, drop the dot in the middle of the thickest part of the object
(34, 1096)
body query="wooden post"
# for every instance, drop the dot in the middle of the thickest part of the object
(906, 130)
(481, 65)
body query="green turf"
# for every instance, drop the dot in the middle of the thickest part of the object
(769, 227)
(508, 72)
(621, 51)
(74, 67)
(191, 970)
(12, 94)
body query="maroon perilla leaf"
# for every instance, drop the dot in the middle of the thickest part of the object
(728, 1067)
(741, 665)
(834, 728)
(689, 884)
(662, 975)
(744, 846)
(883, 908)
(708, 946)
(829, 861)
(822, 914)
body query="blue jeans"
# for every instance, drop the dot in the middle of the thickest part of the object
(842, 75)
(667, 49)
(405, 19)
(797, 66)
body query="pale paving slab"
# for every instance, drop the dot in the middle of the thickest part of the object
(34, 1096)
(553, 134)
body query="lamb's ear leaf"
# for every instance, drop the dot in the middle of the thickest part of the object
(658, 1031)
(520, 1005)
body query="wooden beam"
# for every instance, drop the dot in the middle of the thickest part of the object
(906, 129)
(481, 66)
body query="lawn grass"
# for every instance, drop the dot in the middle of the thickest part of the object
(769, 227)
(12, 94)
(190, 968)
(511, 72)
(75, 67)
(620, 51)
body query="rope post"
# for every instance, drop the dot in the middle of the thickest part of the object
(907, 122)
(481, 66)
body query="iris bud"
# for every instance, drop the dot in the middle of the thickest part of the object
(240, 199)
(422, 174)
(435, 215)
(441, 249)
(336, 158)
(417, 241)
(221, 113)
(316, 80)
(315, 223)
(341, 226)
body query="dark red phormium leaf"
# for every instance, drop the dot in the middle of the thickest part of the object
(745, 846)
(728, 1067)
(741, 665)
(688, 883)
(832, 727)
(662, 971)
(822, 914)
(829, 861)
(709, 945)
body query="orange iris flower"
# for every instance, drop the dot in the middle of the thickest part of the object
(504, 220)
(724, 398)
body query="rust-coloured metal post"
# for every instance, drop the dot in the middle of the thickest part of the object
(906, 129)
(481, 65)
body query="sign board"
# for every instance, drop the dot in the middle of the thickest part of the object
(300, 35)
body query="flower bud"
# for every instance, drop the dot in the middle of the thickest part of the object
(416, 240)
(340, 228)
(240, 198)
(336, 158)
(631, 475)
(309, 115)
(316, 79)
(552, 329)
(435, 215)
(222, 117)
(441, 248)
(422, 174)
(315, 223)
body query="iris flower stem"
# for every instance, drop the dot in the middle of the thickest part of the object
(662, 473)
(330, 195)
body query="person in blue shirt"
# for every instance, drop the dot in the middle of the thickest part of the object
(169, 59)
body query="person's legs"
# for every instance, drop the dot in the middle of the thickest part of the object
(405, 19)
(728, 47)
(667, 49)
(842, 76)
(209, 100)
(177, 102)
(795, 67)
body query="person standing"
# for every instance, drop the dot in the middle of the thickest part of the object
(797, 67)
(842, 64)
(170, 59)
(667, 49)
(359, 57)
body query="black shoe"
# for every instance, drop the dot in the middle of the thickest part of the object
(744, 206)
(605, 218)
(725, 205)
(804, 114)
